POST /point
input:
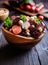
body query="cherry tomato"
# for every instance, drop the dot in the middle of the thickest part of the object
(32, 4)
(21, 7)
(38, 9)
(16, 29)
(33, 8)
(27, 7)
(41, 18)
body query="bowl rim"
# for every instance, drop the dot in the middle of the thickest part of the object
(31, 38)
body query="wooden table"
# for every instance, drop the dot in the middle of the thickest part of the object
(10, 55)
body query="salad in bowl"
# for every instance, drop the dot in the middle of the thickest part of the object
(23, 29)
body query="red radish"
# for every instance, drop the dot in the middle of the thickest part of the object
(41, 17)
(16, 29)
(38, 9)
(33, 8)
(27, 7)
(32, 4)
(13, 17)
(17, 17)
(26, 25)
(21, 7)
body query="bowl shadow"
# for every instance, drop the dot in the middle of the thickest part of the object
(10, 52)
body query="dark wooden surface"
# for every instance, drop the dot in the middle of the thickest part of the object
(10, 55)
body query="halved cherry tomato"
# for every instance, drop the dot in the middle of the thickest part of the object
(16, 29)
(21, 7)
(27, 7)
(33, 9)
(41, 17)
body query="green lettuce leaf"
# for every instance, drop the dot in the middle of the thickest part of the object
(23, 17)
(28, 1)
(8, 22)
(38, 21)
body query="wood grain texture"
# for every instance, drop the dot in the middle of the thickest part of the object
(10, 55)
(42, 49)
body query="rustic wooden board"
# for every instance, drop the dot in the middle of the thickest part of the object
(42, 49)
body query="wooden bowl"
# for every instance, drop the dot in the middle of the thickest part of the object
(20, 40)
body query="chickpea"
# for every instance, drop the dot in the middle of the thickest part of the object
(20, 22)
